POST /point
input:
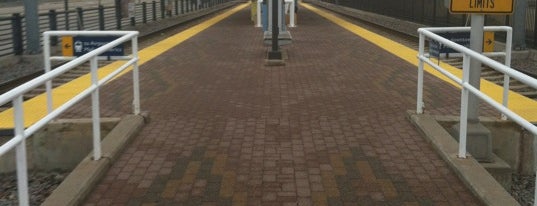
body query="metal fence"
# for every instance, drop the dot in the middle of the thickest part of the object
(12, 28)
(434, 13)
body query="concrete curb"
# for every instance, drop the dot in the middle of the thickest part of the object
(474, 176)
(74, 189)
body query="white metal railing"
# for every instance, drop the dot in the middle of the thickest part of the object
(16, 96)
(466, 87)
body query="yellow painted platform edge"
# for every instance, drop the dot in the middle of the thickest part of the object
(35, 108)
(523, 106)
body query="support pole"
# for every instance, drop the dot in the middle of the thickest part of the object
(258, 22)
(476, 44)
(275, 53)
(473, 136)
(66, 9)
(31, 19)
(519, 25)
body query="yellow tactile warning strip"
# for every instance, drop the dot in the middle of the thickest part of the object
(35, 108)
(523, 106)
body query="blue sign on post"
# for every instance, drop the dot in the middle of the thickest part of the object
(85, 44)
(462, 38)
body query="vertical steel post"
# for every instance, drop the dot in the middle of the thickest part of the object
(22, 168)
(144, 12)
(132, 15)
(258, 15)
(519, 25)
(154, 7)
(66, 9)
(176, 7)
(182, 6)
(506, 79)
(162, 9)
(101, 18)
(434, 12)
(466, 69)
(419, 103)
(135, 78)
(534, 28)
(53, 25)
(48, 67)
(31, 19)
(118, 14)
(16, 26)
(275, 54)
(476, 44)
(422, 11)
(292, 14)
(80, 18)
(96, 118)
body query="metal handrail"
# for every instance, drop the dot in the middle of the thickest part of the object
(467, 88)
(16, 96)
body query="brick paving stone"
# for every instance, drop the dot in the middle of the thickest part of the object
(328, 128)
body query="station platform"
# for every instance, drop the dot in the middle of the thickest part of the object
(329, 127)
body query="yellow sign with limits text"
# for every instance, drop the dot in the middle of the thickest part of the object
(482, 6)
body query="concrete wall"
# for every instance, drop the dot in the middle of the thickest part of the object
(509, 142)
(60, 145)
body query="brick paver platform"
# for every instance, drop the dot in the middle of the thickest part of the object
(329, 128)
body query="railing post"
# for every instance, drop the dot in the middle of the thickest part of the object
(135, 78)
(95, 110)
(48, 67)
(506, 81)
(53, 25)
(80, 18)
(101, 18)
(419, 102)
(16, 26)
(118, 14)
(182, 6)
(154, 7)
(464, 106)
(22, 169)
